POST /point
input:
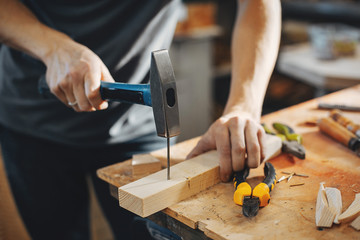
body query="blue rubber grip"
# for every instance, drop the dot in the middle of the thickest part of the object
(124, 92)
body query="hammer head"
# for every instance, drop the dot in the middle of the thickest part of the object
(163, 95)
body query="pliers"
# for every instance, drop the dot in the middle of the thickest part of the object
(252, 199)
(291, 142)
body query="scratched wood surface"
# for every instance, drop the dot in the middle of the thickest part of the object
(291, 212)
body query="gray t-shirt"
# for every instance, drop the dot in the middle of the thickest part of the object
(123, 34)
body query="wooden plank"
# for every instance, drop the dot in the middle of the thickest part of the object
(144, 164)
(154, 193)
(178, 152)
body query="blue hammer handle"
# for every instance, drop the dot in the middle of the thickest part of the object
(119, 92)
(123, 92)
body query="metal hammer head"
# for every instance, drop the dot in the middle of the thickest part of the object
(163, 95)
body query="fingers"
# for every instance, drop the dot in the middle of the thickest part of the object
(74, 78)
(238, 147)
(205, 144)
(252, 145)
(261, 138)
(239, 142)
(224, 149)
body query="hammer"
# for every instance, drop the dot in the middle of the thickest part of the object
(160, 94)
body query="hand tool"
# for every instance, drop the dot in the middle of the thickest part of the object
(160, 94)
(339, 106)
(292, 142)
(339, 133)
(252, 199)
(345, 122)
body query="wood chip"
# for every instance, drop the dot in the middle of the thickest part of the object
(324, 215)
(356, 223)
(353, 210)
(333, 196)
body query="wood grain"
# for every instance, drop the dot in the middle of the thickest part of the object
(144, 164)
(324, 215)
(178, 152)
(356, 223)
(154, 193)
(352, 211)
(291, 212)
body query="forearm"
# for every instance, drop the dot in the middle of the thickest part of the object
(20, 29)
(255, 46)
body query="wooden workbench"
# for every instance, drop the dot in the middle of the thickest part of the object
(291, 212)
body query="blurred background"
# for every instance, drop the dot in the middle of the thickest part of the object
(318, 55)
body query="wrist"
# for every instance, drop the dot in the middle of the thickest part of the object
(245, 110)
(55, 41)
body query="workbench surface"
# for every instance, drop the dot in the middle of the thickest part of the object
(291, 212)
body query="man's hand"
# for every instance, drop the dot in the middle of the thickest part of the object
(238, 139)
(237, 135)
(73, 76)
(73, 71)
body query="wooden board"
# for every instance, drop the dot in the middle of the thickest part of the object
(291, 212)
(144, 164)
(178, 152)
(154, 192)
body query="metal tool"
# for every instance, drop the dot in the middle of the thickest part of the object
(345, 122)
(339, 133)
(291, 141)
(160, 94)
(252, 199)
(339, 106)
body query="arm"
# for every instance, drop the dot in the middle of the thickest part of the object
(255, 45)
(73, 71)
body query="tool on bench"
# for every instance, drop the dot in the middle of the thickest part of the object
(160, 94)
(292, 142)
(340, 133)
(252, 199)
(345, 122)
(339, 106)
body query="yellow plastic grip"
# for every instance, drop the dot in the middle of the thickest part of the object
(262, 191)
(241, 191)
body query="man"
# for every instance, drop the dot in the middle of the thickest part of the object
(50, 145)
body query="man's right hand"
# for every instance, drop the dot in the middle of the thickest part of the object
(73, 75)
(73, 71)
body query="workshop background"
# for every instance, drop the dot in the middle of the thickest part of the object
(319, 54)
